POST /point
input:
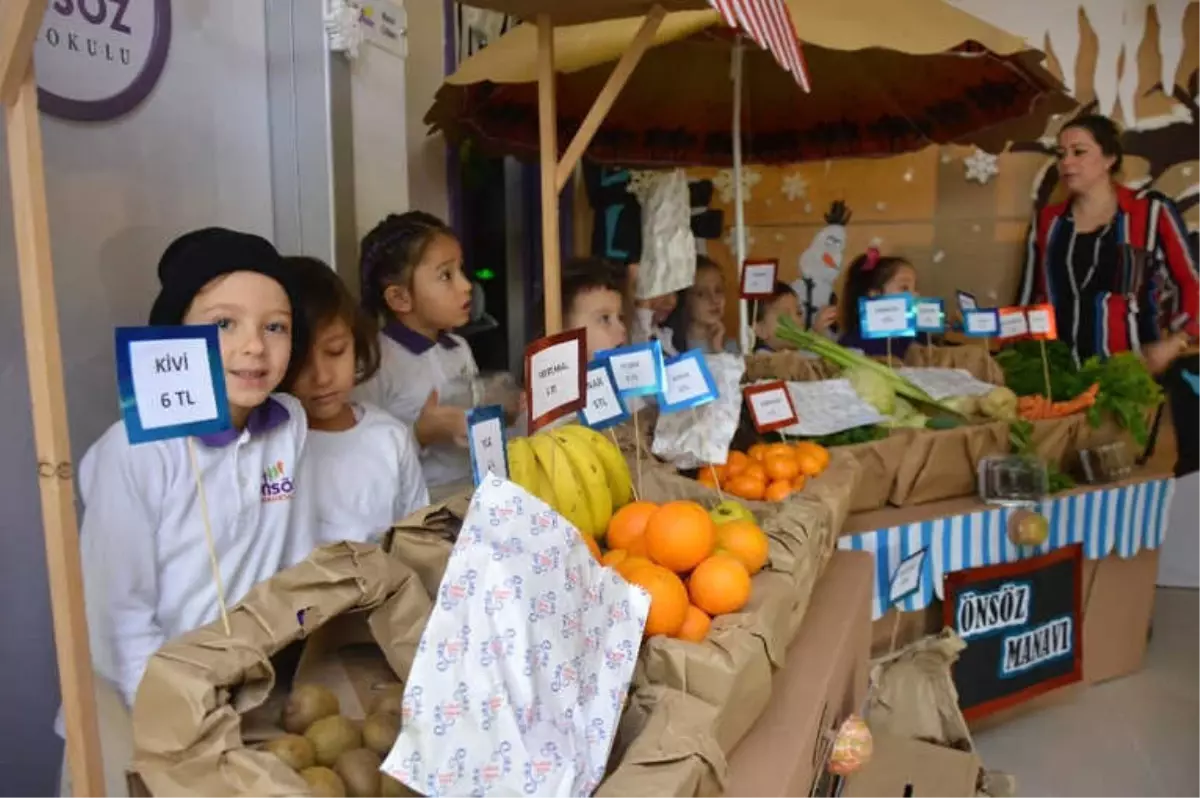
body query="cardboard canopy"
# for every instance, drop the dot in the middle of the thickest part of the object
(574, 12)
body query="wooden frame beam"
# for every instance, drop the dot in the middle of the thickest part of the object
(20, 21)
(548, 142)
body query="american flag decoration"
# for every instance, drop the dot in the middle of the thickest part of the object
(769, 24)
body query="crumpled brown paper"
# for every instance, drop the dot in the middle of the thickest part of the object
(975, 359)
(188, 714)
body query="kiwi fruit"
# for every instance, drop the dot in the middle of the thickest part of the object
(380, 731)
(307, 704)
(331, 737)
(324, 783)
(393, 788)
(390, 701)
(359, 769)
(295, 751)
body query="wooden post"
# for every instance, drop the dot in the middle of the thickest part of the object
(43, 357)
(548, 136)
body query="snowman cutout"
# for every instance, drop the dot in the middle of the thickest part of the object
(821, 265)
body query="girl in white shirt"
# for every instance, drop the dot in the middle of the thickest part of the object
(147, 575)
(367, 474)
(414, 285)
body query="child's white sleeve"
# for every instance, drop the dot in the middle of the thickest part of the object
(411, 492)
(304, 527)
(118, 542)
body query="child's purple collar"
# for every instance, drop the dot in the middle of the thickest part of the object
(413, 341)
(262, 419)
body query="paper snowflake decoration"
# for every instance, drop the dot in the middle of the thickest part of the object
(981, 166)
(876, 242)
(881, 206)
(909, 174)
(723, 182)
(795, 186)
(732, 244)
(939, 256)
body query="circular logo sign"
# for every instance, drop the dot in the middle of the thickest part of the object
(97, 59)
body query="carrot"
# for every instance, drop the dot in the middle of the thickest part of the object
(1038, 407)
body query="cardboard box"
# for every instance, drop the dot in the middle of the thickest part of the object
(1118, 603)
(824, 680)
(930, 770)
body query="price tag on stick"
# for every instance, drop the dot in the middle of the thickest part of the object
(770, 405)
(555, 377)
(981, 323)
(931, 316)
(967, 302)
(1042, 323)
(171, 382)
(906, 579)
(487, 442)
(889, 316)
(758, 278)
(604, 408)
(638, 369)
(1013, 324)
(689, 383)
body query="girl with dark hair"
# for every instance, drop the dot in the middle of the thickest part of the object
(873, 275)
(698, 320)
(413, 283)
(1106, 257)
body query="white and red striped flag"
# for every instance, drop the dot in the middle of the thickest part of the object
(769, 24)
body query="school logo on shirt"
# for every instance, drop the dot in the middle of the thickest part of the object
(276, 484)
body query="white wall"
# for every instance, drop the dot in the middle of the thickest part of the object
(425, 69)
(378, 95)
(195, 153)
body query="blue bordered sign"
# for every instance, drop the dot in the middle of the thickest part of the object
(890, 316)
(170, 382)
(906, 579)
(931, 316)
(981, 323)
(638, 368)
(689, 383)
(966, 302)
(487, 442)
(604, 407)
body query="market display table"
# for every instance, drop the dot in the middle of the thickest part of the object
(1120, 527)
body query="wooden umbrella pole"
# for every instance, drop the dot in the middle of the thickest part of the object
(548, 141)
(43, 358)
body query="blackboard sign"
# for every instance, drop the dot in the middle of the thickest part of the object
(1023, 627)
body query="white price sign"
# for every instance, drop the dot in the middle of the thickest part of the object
(931, 317)
(981, 323)
(1012, 323)
(604, 406)
(770, 406)
(887, 317)
(486, 442)
(638, 369)
(554, 376)
(689, 383)
(758, 278)
(907, 578)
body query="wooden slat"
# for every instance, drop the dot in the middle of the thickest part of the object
(43, 357)
(19, 24)
(608, 95)
(548, 131)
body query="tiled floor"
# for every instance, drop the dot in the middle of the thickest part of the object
(1133, 736)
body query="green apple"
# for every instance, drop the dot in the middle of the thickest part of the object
(730, 510)
(1027, 528)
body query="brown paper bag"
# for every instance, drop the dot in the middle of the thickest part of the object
(791, 366)
(424, 540)
(188, 716)
(879, 462)
(974, 359)
(913, 694)
(941, 464)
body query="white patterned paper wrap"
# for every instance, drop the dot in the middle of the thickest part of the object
(525, 663)
(692, 438)
(826, 407)
(668, 261)
(941, 383)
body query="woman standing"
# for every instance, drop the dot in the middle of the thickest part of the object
(1078, 256)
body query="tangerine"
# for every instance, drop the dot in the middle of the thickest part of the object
(593, 546)
(747, 487)
(707, 476)
(631, 565)
(719, 585)
(779, 449)
(613, 557)
(798, 483)
(736, 463)
(668, 599)
(695, 625)
(778, 490)
(812, 458)
(757, 452)
(781, 466)
(756, 471)
(680, 535)
(746, 543)
(627, 529)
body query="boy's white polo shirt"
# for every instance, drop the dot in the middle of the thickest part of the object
(369, 477)
(411, 367)
(147, 575)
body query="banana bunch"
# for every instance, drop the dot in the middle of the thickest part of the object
(575, 470)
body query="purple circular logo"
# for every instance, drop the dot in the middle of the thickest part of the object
(97, 60)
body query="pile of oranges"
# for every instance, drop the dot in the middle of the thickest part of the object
(767, 472)
(692, 568)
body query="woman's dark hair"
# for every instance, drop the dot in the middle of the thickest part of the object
(759, 307)
(868, 273)
(1106, 133)
(324, 299)
(679, 321)
(390, 253)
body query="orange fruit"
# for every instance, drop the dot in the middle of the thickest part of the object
(757, 452)
(780, 449)
(736, 463)
(756, 471)
(781, 466)
(707, 476)
(747, 487)
(613, 558)
(719, 585)
(668, 599)
(630, 565)
(695, 625)
(680, 535)
(593, 546)
(778, 490)
(812, 458)
(798, 483)
(627, 528)
(745, 542)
